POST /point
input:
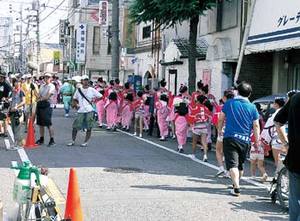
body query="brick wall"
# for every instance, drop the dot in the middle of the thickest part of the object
(257, 69)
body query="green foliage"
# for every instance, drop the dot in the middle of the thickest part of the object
(167, 13)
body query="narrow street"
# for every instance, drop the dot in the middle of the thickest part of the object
(126, 178)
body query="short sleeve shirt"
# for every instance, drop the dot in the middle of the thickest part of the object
(47, 88)
(240, 115)
(17, 97)
(84, 105)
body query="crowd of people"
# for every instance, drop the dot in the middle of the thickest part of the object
(240, 128)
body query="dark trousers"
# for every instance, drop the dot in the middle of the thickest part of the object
(153, 125)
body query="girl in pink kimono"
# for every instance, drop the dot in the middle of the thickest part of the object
(163, 112)
(181, 110)
(100, 109)
(127, 112)
(111, 107)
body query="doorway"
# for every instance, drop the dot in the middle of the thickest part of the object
(172, 81)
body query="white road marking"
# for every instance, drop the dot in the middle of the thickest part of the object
(246, 179)
(24, 157)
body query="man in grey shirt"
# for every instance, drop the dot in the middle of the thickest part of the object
(44, 110)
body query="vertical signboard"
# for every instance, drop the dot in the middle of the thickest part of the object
(56, 60)
(81, 43)
(62, 32)
(103, 13)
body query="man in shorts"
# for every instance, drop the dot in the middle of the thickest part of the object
(44, 110)
(241, 117)
(83, 100)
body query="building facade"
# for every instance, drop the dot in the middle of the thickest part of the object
(87, 45)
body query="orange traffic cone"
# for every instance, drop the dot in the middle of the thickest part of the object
(30, 142)
(73, 208)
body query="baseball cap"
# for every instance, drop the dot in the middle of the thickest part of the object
(85, 77)
(48, 75)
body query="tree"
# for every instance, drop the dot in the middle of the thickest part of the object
(168, 13)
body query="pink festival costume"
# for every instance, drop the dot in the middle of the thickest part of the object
(163, 112)
(181, 128)
(127, 114)
(111, 113)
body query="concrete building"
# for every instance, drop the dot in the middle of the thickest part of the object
(219, 40)
(89, 53)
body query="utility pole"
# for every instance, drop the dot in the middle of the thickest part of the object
(115, 52)
(21, 41)
(38, 43)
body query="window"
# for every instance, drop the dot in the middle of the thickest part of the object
(227, 14)
(96, 40)
(93, 2)
(146, 32)
(75, 3)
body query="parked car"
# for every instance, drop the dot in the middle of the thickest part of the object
(265, 104)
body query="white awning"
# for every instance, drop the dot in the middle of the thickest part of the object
(275, 26)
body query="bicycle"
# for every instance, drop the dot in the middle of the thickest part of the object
(280, 188)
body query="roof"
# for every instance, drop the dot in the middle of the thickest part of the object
(184, 48)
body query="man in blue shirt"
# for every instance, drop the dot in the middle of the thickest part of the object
(241, 117)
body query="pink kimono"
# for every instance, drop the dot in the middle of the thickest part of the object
(163, 112)
(181, 128)
(111, 113)
(101, 111)
(126, 114)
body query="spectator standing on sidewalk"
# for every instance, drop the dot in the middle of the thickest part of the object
(83, 100)
(291, 113)
(44, 110)
(5, 89)
(241, 117)
(31, 92)
(16, 110)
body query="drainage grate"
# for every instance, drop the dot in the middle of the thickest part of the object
(122, 170)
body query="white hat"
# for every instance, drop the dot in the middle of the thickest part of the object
(27, 76)
(85, 77)
(48, 75)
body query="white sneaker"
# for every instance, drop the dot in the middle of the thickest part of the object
(220, 172)
(141, 135)
(134, 134)
(71, 144)
(84, 145)
(66, 115)
(192, 156)
(205, 158)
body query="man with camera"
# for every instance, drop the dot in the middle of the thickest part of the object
(5, 89)
(17, 99)
(83, 100)
(30, 90)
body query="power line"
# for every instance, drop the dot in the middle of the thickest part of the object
(52, 11)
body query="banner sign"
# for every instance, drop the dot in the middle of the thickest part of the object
(275, 26)
(103, 13)
(56, 57)
(81, 43)
(62, 29)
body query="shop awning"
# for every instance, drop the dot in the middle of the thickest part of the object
(275, 26)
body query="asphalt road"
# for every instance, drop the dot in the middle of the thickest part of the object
(126, 178)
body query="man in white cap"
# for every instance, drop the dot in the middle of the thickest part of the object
(44, 110)
(83, 100)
